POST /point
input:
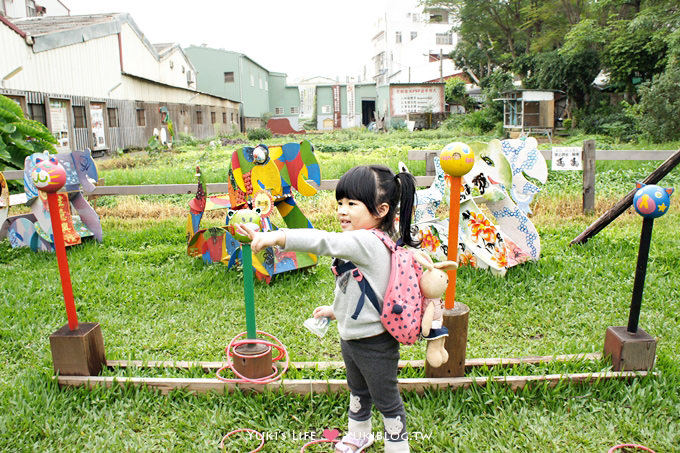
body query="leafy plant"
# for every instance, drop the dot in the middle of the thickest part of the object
(21, 137)
(259, 133)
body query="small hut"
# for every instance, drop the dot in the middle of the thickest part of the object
(533, 111)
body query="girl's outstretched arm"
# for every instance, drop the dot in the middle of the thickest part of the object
(262, 240)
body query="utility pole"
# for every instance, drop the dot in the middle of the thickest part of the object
(441, 67)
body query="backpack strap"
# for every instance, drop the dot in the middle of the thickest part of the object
(364, 286)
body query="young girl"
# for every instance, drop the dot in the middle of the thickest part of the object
(368, 197)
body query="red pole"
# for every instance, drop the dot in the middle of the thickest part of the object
(62, 261)
(452, 255)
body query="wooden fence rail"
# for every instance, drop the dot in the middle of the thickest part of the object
(421, 181)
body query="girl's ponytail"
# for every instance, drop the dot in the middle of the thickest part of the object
(407, 196)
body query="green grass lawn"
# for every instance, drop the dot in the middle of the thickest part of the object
(155, 303)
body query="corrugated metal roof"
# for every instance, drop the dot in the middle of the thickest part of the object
(36, 26)
(163, 47)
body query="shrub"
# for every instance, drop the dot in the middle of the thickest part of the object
(659, 108)
(259, 133)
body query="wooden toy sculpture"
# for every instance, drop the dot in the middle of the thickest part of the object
(631, 348)
(259, 178)
(77, 349)
(80, 170)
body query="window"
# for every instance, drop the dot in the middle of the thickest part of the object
(278, 110)
(224, 117)
(252, 80)
(325, 109)
(266, 85)
(260, 83)
(199, 117)
(398, 37)
(212, 118)
(414, 35)
(141, 117)
(113, 116)
(37, 113)
(232, 117)
(228, 77)
(438, 16)
(172, 64)
(444, 38)
(79, 115)
(293, 110)
(30, 9)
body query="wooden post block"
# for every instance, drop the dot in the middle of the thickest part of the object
(630, 351)
(78, 352)
(253, 360)
(588, 176)
(456, 320)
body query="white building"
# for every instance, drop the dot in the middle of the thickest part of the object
(97, 82)
(30, 8)
(408, 42)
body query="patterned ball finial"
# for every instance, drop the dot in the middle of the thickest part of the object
(48, 175)
(652, 201)
(457, 159)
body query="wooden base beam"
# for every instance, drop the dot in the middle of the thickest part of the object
(307, 386)
(469, 363)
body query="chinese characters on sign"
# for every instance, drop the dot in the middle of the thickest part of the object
(351, 102)
(337, 113)
(417, 99)
(566, 158)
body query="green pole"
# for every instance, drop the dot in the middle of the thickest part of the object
(249, 291)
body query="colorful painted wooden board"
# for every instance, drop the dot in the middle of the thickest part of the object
(524, 159)
(4, 199)
(494, 235)
(490, 179)
(81, 171)
(259, 178)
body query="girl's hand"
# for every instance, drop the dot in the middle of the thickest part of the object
(258, 240)
(324, 311)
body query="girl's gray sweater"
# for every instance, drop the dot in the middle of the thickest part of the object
(373, 259)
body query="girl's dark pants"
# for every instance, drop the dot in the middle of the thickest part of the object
(372, 365)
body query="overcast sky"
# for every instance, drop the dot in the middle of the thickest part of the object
(302, 38)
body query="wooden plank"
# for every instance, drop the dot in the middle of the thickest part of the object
(307, 386)
(13, 174)
(627, 201)
(469, 364)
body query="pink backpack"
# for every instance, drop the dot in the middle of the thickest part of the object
(402, 311)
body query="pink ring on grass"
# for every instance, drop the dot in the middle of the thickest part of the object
(245, 430)
(318, 441)
(636, 446)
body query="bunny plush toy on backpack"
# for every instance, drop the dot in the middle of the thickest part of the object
(433, 285)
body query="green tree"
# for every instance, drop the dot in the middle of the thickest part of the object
(21, 137)
(454, 91)
(659, 107)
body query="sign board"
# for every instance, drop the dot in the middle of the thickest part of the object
(351, 104)
(567, 158)
(416, 99)
(59, 114)
(97, 125)
(337, 112)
